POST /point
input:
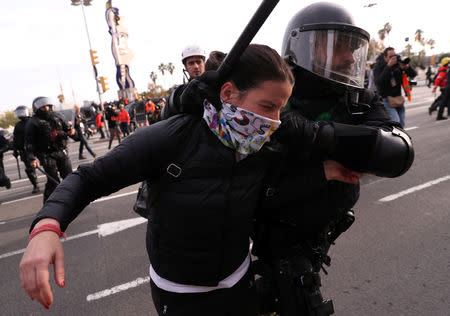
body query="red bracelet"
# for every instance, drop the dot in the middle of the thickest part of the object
(47, 227)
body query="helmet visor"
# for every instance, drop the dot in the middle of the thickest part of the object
(336, 55)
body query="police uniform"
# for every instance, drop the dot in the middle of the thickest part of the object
(22, 113)
(302, 213)
(46, 136)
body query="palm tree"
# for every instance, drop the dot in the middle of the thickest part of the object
(161, 68)
(419, 38)
(384, 32)
(431, 42)
(153, 76)
(170, 67)
(408, 49)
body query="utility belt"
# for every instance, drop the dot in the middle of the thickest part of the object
(291, 285)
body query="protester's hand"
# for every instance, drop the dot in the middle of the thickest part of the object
(34, 163)
(392, 61)
(71, 132)
(197, 90)
(336, 171)
(44, 249)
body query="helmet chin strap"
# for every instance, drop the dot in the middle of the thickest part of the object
(352, 103)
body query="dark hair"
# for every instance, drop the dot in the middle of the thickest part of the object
(214, 60)
(257, 64)
(386, 50)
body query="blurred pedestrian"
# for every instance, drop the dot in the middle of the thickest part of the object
(124, 120)
(429, 75)
(23, 114)
(441, 82)
(99, 123)
(112, 116)
(4, 147)
(79, 123)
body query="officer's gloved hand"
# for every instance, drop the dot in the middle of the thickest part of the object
(198, 89)
(298, 131)
(15, 154)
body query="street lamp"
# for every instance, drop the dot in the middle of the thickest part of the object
(84, 3)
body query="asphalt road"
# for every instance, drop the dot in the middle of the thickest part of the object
(394, 260)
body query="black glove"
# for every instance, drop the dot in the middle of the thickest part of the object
(296, 130)
(15, 154)
(198, 89)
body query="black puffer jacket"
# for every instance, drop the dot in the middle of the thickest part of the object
(200, 224)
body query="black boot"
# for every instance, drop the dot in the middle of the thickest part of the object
(440, 118)
(35, 190)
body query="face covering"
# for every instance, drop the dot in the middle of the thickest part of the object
(242, 130)
(43, 115)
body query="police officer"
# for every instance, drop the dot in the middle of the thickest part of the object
(302, 214)
(4, 147)
(193, 59)
(46, 137)
(23, 114)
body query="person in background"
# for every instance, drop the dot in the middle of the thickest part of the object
(46, 136)
(4, 147)
(112, 116)
(389, 74)
(193, 59)
(441, 82)
(124, 120)
(79, 122)
(23, 114)
(99, 123)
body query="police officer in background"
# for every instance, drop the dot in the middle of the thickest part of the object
(4, 147)
(302, 214)
(23, 114)
(193, 59)
(46, 137)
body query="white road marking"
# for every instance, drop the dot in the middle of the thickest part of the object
(414, 189)
(102, 231)
(96, 201)
(1, 223)
(117, 289)
(411, 128)
(22, 199)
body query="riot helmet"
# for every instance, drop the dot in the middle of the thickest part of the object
(40, 102)
(21, 112)
(322, 39)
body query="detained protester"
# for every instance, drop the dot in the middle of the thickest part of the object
(201, 217)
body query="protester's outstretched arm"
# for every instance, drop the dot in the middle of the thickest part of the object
(42, 251)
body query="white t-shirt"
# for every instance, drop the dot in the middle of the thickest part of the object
(228, 282)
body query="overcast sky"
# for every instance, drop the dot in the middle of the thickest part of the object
(45, 42)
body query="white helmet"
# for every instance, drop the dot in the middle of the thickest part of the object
(192, 50)
(40, 102)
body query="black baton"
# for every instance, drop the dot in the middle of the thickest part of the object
(18, 168)
(48, 176)
(253, 26)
